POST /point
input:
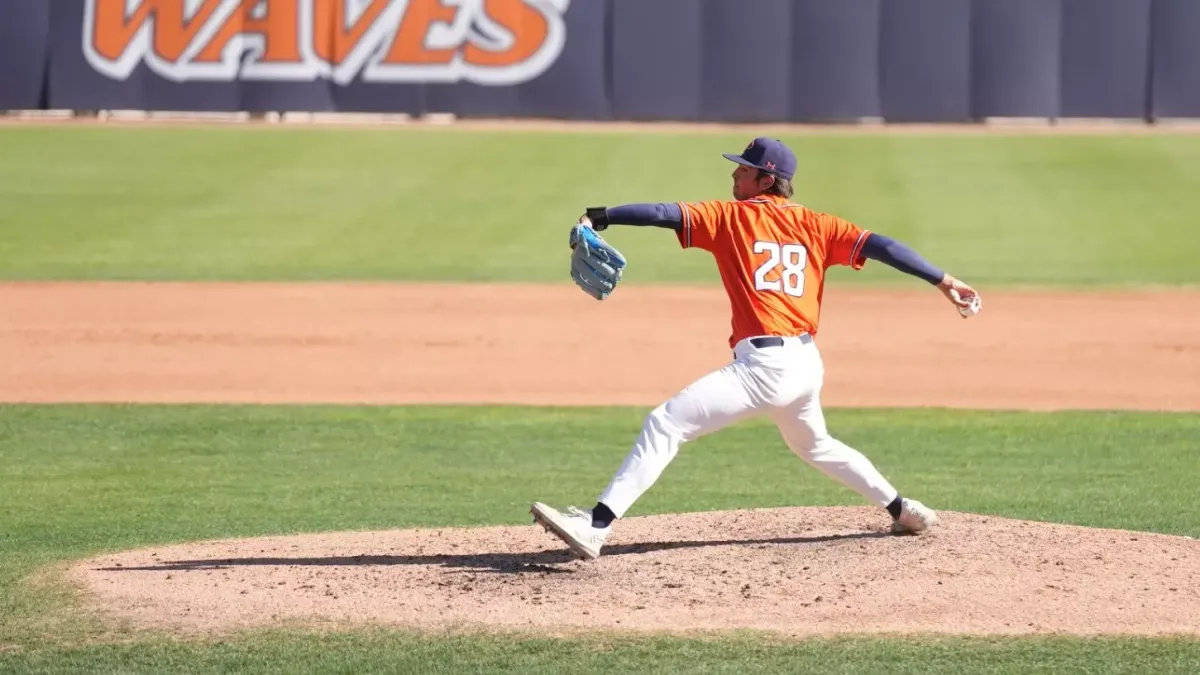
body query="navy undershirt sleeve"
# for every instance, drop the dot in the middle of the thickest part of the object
(656, 215)
(891, 252)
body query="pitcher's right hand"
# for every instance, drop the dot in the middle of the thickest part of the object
(964, 298)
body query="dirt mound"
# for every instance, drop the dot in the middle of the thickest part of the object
(798, 571)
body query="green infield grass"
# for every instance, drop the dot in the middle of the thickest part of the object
(81, 480)
(444, 205)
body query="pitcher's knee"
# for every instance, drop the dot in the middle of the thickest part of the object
(812, 447)
(659, 419)
(665, 421)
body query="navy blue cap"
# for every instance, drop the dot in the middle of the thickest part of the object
(767, 154)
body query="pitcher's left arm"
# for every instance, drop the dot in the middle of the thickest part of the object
(662, 214)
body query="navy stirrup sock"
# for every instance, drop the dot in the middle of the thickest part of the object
(602, 516)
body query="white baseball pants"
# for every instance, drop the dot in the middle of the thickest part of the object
(783, 382)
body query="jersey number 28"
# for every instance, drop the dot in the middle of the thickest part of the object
(794, 258)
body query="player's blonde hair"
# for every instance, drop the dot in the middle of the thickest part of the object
(780, 187)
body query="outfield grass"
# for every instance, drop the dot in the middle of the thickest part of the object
(390, 652)
(80, 480)
(234, 203)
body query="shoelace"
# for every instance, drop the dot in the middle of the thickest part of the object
(919, 514)
(593, 534)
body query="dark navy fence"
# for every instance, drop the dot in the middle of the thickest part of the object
(686, 60)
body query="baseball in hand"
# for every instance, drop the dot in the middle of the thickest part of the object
(968, 307)
(966, 300)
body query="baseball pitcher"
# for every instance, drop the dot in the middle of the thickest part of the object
(772, 256)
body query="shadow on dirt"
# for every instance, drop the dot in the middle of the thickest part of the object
(506, 563)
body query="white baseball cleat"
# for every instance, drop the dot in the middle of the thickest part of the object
(574, 528)
(914, 517)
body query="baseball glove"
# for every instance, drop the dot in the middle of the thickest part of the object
(596, 267)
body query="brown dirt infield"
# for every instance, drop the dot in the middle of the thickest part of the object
(407, 344)
(796, 571)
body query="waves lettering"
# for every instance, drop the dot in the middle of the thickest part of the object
(492, 42)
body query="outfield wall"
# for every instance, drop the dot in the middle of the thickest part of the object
(680, 60)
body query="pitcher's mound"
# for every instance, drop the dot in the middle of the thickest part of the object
(793, 570)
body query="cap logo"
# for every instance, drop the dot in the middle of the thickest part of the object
(770, 165)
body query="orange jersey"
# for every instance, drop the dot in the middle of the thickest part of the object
(772, 256)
